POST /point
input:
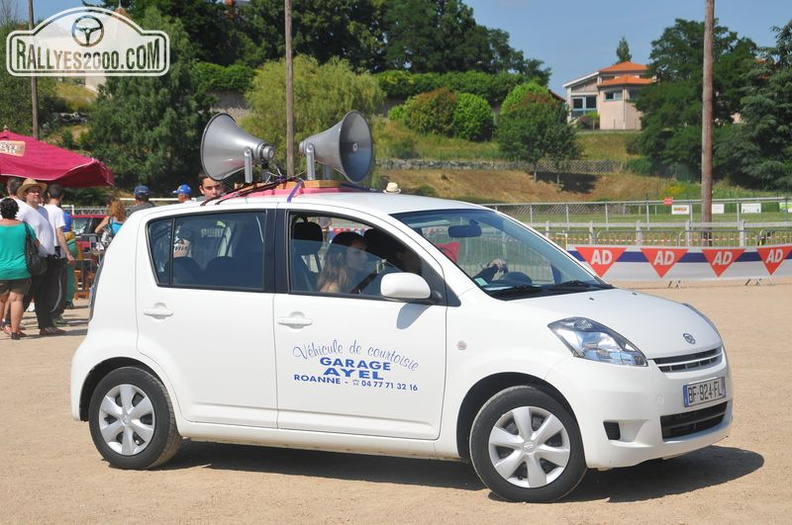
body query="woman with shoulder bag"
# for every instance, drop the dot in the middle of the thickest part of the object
(116, 215)
(14, 274)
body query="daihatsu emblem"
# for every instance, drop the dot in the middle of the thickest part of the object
(689, 338)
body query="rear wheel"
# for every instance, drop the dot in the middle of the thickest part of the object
(525, 446)
(131, 420)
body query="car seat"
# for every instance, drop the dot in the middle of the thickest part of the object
(306, 241)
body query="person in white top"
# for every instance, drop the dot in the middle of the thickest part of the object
(31, 196)
(63, 256)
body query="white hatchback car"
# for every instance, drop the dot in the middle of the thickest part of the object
(463, 335)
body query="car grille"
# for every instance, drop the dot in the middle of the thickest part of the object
(678, 425)
(691, 361)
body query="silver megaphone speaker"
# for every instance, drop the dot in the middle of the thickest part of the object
(226, 148)
(347, 147)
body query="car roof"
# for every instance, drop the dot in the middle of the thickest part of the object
(373, 202)
(336, 195)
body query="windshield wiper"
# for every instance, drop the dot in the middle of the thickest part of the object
(575, 285)
(523, 289)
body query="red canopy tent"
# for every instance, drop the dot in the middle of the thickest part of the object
(22, 156)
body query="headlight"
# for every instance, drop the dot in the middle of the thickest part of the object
(591, 340)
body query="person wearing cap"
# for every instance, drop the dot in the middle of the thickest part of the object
(30, 195)
(392, 187)
(182, 193)
(141, 200)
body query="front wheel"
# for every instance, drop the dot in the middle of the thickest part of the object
(131, 420)
(525, 446)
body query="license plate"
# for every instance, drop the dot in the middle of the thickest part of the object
(704, 391)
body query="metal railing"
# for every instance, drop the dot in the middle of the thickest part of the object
(668, 234)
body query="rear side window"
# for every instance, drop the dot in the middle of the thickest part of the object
(214, 251)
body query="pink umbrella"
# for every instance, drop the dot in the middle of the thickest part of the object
(22, 156)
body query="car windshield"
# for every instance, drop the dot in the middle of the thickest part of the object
(503, 257)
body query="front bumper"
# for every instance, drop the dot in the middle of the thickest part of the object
(628, 415)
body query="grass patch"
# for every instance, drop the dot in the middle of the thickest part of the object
(75, 96)
(394, 140)
(605, 145)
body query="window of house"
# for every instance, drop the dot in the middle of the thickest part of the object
(613, 95)
(634, 94)
(583, 104)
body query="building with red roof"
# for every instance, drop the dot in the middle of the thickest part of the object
(610, 92)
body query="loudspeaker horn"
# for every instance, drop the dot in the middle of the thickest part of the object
(347, 147)
(226, 148)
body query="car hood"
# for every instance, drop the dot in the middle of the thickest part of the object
(658, 327)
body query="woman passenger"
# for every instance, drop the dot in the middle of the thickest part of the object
(345, 265)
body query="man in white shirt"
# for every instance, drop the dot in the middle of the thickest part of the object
(30, 195)
(63, 256)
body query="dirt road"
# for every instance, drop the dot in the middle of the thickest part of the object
(53, 474)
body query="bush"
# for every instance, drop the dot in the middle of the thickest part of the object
(431, 112)
(639, 166)
(218, 78)
(633, 145)
(396, 113)
(493, 88)
(589, 120)
(472, 118)
(518, 94)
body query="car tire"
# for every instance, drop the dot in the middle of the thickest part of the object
(525, 446)
(131, 420)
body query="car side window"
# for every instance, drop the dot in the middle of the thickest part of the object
(337, 255)
(213, 251)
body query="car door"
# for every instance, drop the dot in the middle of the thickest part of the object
(355, 363)
(204, 318)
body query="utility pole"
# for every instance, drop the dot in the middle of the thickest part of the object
(33, 83)
(706, 118)
(289, 92)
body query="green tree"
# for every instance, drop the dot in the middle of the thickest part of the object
(323, 29)
(672, 106)
(148, 129)
(761, 147)
(442, 35)
(15, 108)
(623, 51)
(534, 128)
(212, 28)
(323, 94)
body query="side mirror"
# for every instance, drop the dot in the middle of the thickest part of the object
(404, 286)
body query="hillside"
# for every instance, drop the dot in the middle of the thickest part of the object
(513, 186)
(517, 186)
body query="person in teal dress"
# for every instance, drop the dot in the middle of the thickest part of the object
(14, 275)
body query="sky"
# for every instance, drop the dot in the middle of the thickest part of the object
(577, 37)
